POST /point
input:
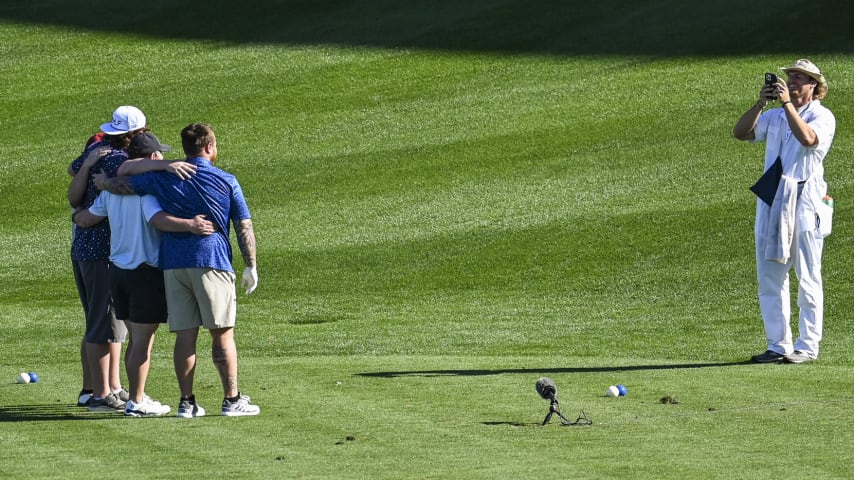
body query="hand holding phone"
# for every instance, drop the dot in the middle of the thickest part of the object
(771, 81)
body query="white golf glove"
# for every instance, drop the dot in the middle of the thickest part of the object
(250, 279)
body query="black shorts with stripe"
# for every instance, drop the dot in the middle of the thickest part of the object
(139, 295)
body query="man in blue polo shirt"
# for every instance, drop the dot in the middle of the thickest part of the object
(198, 271)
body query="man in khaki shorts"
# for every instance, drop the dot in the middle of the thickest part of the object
(136, 282)
(198, 271)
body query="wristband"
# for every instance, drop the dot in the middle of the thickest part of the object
(784, 103)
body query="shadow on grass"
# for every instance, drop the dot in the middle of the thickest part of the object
(512, 424)
(540, 371)
(605, 27)
(49, 412)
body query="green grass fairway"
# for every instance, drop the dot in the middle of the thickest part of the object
(452, 200)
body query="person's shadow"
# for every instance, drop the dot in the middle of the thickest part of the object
(543, 371)
(50, 412)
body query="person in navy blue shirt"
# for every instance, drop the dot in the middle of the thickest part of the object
(100, 349)
(198, 270)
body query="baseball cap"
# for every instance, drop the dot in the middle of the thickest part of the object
(147, 143)
(807, 68)
(125, 119)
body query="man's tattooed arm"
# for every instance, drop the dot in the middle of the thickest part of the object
(246, 242)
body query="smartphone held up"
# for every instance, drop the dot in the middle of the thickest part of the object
(771, 81)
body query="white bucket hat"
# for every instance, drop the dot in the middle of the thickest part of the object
(807, 68)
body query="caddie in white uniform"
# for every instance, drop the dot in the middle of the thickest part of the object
(790, 231)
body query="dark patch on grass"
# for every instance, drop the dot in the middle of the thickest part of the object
(531, 371)
(315, 319)
(50, 412)
(511, 424)
(608, 27)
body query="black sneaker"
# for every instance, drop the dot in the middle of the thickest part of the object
(108, 404)
(769, 356)
(83, 398)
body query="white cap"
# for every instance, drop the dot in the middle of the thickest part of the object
(125, 119)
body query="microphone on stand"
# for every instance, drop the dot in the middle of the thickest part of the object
(547, 389)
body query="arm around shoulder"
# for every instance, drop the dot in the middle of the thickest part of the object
(197, 225)
(137, 166)
(82, 217)
(117, 185)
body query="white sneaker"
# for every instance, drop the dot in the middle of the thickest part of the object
(190, 409)
(240, 407)
(146, 408)
(123, 394)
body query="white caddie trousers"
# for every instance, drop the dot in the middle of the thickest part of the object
(774, 287)
(804, 164)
